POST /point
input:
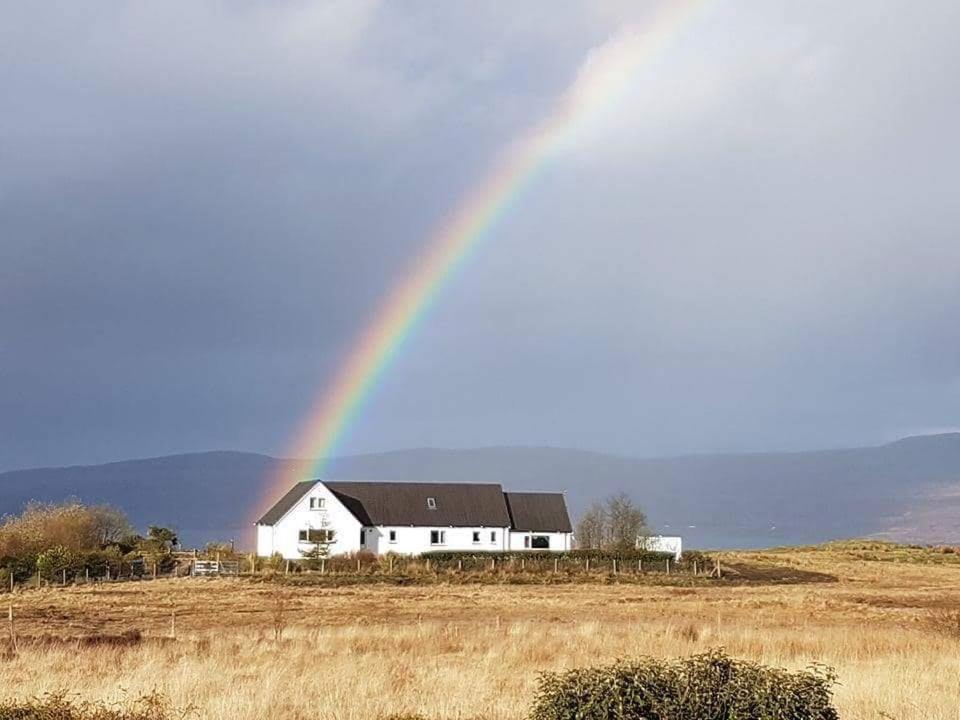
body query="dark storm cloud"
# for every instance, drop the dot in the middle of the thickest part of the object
(201, 205)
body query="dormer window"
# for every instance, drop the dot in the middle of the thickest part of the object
(317, 503)
(431, 503)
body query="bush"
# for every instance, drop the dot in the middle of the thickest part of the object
(53, 561)
(711, 686)
(534, 556)
(58, 706)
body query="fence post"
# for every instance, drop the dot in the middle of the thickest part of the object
(694, 568)
(493, 563)
(668, 566)
(614, 566)
(428, 564)
(358, 565)
(523, 563)
(390, 559)
(286, 570)
(11, 581)
(718, 567)
(108, 572)
(38, 578)
(460, 565)
(86, 574)
(639, 565)
(154, 570)
(556, 565)
(323, 566)
(588, 564)
(13, 631)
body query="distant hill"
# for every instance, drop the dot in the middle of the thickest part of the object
(906, 490)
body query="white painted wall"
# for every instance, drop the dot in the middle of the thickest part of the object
(559, 541)
(416, 540)
(284, 536)
(662, 543)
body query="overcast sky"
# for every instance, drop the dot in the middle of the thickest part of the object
(201, 204)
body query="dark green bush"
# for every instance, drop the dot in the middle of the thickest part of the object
(58, 706)
(711, 686)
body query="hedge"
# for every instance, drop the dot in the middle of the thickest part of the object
(533, 555)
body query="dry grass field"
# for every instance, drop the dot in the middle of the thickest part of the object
(878, 614)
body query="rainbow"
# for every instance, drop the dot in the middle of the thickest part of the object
(605, 73)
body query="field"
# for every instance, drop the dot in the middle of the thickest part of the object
(881, 615)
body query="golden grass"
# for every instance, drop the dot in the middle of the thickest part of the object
(462, 651)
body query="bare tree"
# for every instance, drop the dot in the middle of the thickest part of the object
(626, 522)
(592, 526)
(615, 523)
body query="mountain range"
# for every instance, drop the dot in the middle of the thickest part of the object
(905, 490)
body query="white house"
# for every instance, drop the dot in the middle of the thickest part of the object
(412, 518)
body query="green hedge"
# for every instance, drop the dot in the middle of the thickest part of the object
(534, 555)
(711, 686)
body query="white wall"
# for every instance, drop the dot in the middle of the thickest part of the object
(284, 536)
(662, 543)
(558, 541)
(416, 540)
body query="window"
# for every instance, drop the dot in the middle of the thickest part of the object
(526, 541)
(438, 537)
(312, 535)
(476, 536)
(431, 503)
(540, 542)
(393, 536)
(317, 503)
(493, 536)
(363, 536)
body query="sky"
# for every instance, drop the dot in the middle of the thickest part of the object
(753, 248)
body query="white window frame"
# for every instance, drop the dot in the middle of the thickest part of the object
(493, 536)
(441, 537)
(392, 536)
(545, 537)
(431, 503)
(476, 537)
(318, 503)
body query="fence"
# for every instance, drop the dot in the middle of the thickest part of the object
(398, 566)
(533, 564)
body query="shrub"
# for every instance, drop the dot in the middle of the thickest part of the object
(58, 706)
(51, 562)
(711, 686)
(630, 554)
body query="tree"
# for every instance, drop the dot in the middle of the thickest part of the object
(163, 537)
(319, 548)
(157, 546)
(615, 523)
(626, 522)
(590, 529)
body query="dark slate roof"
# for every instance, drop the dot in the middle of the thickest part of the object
(393, 503)
(538, 512)
(283, 505)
